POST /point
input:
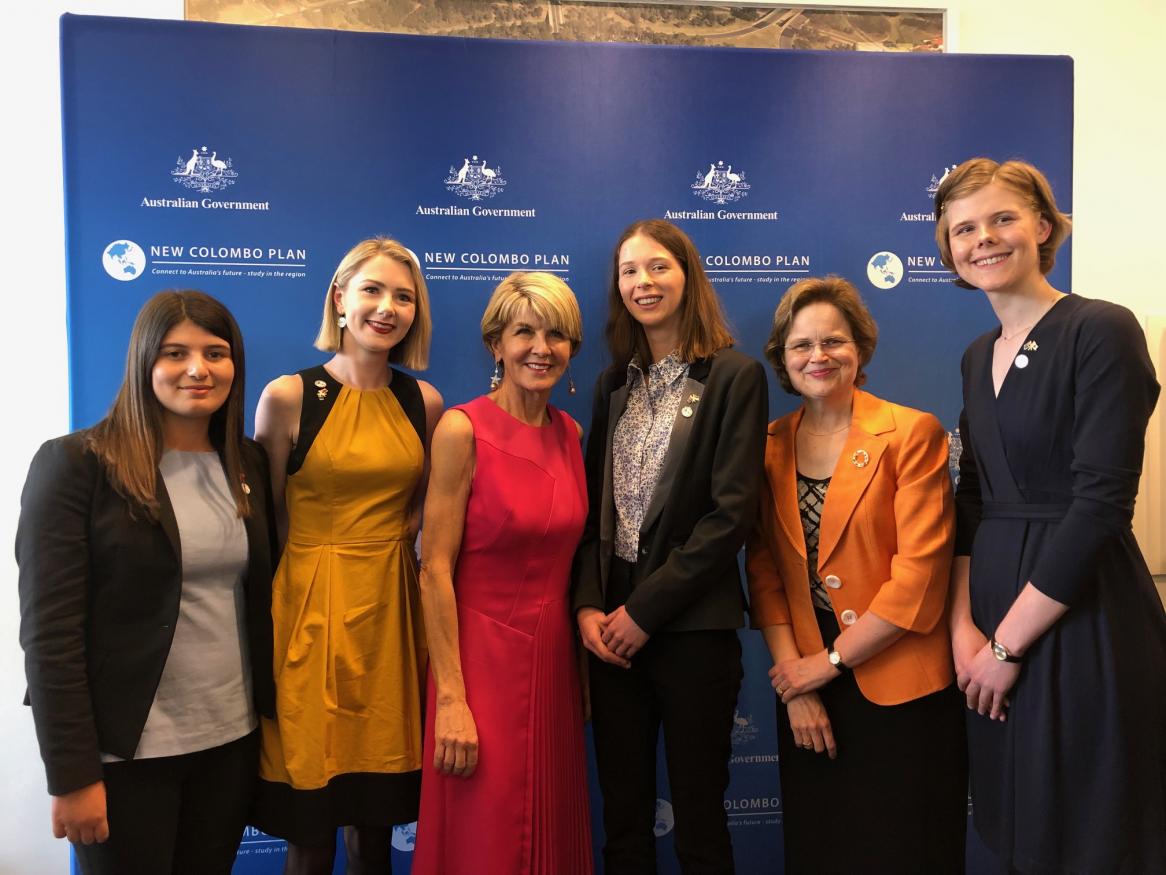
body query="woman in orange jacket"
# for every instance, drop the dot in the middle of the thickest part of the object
(848, 576)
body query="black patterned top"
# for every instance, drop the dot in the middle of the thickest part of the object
(811, 499)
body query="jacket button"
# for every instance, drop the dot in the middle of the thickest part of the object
(832, 581)
(643, 551)
(848, 617)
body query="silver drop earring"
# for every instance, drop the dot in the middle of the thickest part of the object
(341, 322)
(496, 378)
(570, 380)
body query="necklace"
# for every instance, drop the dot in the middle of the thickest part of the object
(1023, 328)
(1007, 337)
(825, 433)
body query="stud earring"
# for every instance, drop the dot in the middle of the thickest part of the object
(341, 322)
(570, 380)
(496, 379)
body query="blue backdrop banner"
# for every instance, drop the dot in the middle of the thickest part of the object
(245, 161)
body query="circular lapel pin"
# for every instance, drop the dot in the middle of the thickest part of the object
(1022, 361)
(686, 411)
(860, 458)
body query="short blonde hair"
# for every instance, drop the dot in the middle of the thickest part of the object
(1020, 176)
(832, 290)
(413, 350)
(545, 295)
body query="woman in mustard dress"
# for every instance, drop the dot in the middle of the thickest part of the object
(348, 444)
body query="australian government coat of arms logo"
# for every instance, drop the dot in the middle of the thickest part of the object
(933, 186)
(475, 180)
(204, 172)
(720, 184)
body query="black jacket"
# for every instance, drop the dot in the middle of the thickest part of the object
(99, 594)
(686, 577)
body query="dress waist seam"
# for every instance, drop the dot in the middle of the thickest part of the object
(1023, 510)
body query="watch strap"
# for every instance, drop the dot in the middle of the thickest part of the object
(1002, 653)
(836, 659)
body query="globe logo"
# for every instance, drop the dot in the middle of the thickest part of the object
(123, 260)
(405, 837)
(884, 270)
(665, 820)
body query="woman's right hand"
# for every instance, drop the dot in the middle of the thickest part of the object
(966, 641)
(80, 816)
(811, 724)
(455, 749)
(591, 627)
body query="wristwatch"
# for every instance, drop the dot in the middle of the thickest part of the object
(1002, 653)
(836, 659)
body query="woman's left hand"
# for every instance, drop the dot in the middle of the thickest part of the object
(793, 677)
(989, 680)
(622, 634)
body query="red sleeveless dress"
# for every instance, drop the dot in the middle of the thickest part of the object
(525, 808)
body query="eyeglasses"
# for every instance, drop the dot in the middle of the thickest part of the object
(805, 348)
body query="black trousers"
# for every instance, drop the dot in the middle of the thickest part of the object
(688, 683)
(180, 814)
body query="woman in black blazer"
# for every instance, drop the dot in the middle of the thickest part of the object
(145, 551)
(674, 460)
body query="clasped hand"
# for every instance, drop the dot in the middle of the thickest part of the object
(613, 638)
(794, 677)
(986, 681)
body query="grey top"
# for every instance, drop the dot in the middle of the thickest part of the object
(640, 444)
(204, 696)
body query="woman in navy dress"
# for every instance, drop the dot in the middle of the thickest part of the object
(1059, 636)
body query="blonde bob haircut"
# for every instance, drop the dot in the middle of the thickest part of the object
(832, 290)
(1019, 176)
(544, 295)
(413, 351)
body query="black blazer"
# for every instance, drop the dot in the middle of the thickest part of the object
(99, 593)
(686, 577)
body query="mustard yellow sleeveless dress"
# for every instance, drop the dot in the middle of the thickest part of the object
(345, 747)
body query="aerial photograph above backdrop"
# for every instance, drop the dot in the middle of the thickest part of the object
(757, 27)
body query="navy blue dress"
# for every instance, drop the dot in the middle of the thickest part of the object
(1075, 779)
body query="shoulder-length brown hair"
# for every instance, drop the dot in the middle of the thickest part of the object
(128, 441)
(1020, 176)
(413, 350)
(703, 326)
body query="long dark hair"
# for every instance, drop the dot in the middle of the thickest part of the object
(128, 441)
(703, 326)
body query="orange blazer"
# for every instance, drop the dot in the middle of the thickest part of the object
(885, 542)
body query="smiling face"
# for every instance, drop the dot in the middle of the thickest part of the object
(820, 355)
(995, 237)
(651, 285)
(379, 304)
(193, 373)
(533, 355)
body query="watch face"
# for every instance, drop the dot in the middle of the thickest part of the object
(999, 652)
(835, 657)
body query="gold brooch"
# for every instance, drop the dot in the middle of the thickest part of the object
(1030, 346)
(321, 394)
(860, 458)
(692, 399)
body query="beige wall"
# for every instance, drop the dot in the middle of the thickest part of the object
(1120, 190)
